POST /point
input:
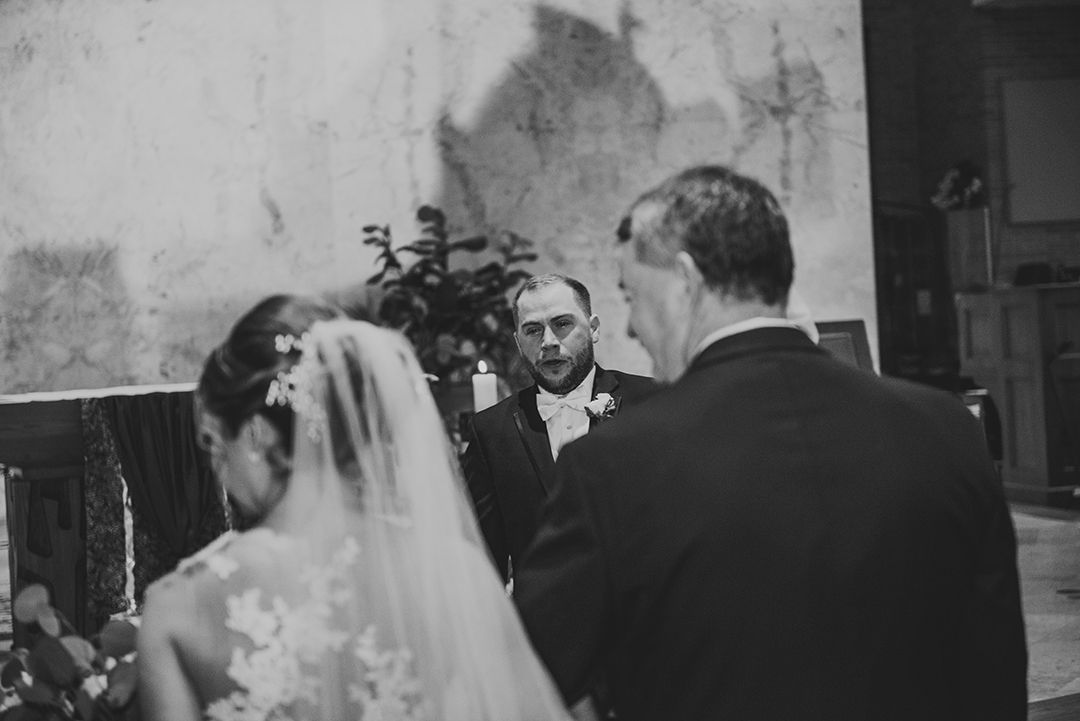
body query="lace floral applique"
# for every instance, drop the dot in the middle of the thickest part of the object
(209, 555)
(221, 566)
(272, 677)
(389, 691)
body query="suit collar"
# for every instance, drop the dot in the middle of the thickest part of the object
(759, 340)
(605, 382)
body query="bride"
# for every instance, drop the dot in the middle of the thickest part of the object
(361, 591)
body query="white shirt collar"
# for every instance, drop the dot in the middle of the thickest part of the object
(567, 423)
(741, 327)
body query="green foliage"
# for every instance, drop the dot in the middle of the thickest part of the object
(62, 676)
(454, 317)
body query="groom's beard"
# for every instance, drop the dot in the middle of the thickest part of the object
(580, 366)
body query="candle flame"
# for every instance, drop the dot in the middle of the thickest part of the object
(482, 367)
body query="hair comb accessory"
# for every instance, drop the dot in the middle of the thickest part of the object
(288, 343)
(296, 389)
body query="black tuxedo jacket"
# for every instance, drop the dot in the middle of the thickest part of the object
(779, 535)
(509, 468)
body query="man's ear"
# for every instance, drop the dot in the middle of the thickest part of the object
(690, 273)
(517, 342)
(594, 325)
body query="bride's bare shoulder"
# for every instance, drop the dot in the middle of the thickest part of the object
(201, 576)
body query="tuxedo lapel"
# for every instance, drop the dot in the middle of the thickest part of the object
(533, 432)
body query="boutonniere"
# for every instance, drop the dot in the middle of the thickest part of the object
(601, 407)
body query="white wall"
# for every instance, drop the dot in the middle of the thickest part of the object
(165, 164)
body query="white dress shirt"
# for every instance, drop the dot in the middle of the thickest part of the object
(565, 415)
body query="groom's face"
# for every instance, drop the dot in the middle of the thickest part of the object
(555, 337)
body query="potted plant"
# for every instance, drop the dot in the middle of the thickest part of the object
(961, 196)
(64, 677)
(455, 317)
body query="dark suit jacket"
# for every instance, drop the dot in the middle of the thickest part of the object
(509, 468)
(781, 536)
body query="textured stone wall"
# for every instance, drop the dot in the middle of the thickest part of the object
(165, 164)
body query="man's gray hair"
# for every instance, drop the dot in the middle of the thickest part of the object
(731, 226)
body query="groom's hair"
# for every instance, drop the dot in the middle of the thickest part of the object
(731, 226)
(581, 293)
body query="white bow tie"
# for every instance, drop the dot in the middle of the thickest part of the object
(548, 404)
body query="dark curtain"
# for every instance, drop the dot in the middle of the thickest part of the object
(175, 503)
(103, 497)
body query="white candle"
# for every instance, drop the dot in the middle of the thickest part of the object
(485, 388)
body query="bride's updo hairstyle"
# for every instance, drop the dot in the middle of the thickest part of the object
(237, 375)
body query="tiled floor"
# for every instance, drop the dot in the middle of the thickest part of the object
(1049, 559)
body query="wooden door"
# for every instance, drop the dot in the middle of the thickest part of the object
(1000, 349)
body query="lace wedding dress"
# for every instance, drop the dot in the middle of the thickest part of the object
(368, 597)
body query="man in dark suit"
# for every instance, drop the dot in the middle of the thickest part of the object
(776, 535)
(510, 459)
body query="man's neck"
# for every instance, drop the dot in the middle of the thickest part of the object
(587, 382)
(716, 313)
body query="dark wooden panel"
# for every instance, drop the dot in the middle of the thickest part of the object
(41, 434)
(1062, 708)
(48, 543)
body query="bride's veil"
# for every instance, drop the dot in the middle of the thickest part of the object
(423, 625)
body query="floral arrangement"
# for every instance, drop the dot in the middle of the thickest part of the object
(63, 676)
(960, 187)
(601, 407)
(453, 317)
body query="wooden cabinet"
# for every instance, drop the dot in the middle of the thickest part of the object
(1023, 345)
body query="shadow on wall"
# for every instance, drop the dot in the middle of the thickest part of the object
(576, 129)
(198, 329)
(67, 319)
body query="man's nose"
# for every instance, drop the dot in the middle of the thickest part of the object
(549, 338)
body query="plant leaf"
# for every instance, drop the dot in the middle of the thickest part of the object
(82, 652)
(40, 692)
(123, 680)
(13, 670)
(29, 603)
(425, 246)
(51, 662)
(26, 713)
(370, 228)
(49, 621)
(473, 245)
(84, 705)
(117, 638)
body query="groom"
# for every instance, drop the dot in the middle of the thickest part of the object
(510, 460)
